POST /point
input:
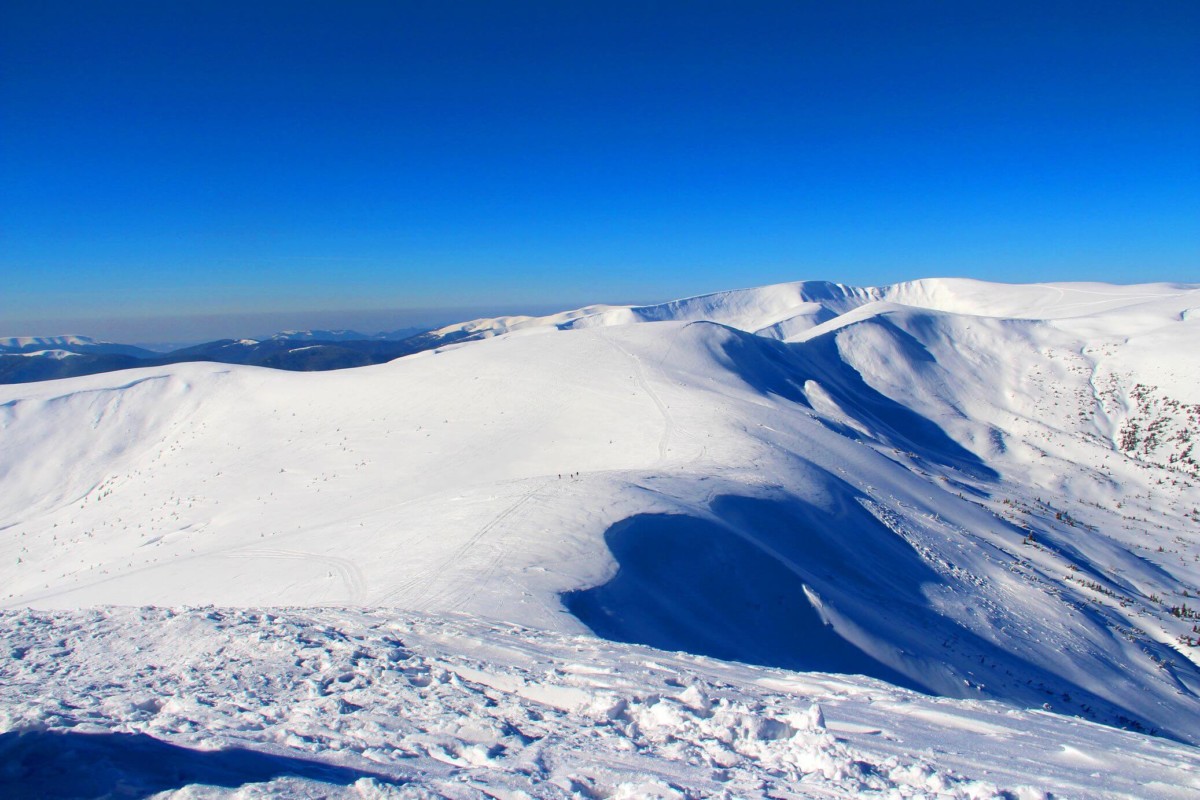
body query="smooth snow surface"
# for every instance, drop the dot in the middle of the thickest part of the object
(982, 491)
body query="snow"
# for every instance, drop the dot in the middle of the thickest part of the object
(982, 491)
(344, 335)
(321, 335)
(357, 703)
(786, 310)
(55, 354)
(46, 342)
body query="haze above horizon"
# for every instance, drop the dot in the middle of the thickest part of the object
(221, 161)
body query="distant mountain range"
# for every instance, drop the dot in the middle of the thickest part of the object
(26, 359)
(37, 346)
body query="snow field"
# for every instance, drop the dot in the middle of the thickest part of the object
(406, 705)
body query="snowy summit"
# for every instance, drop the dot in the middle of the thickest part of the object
(939, 538)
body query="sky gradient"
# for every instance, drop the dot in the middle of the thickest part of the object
(219, 158)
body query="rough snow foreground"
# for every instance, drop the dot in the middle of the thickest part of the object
(325, 702)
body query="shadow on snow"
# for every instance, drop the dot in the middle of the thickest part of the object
(781, 369)
(55, 765)
(785, 583)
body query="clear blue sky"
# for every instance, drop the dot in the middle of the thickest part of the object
(226, 158)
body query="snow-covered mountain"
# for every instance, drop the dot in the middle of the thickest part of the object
(26, 360)
(345, 335)
(83, 345)
(975, 490)
(34, 358)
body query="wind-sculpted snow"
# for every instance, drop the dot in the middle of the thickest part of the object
(921, 483)
(353, 703)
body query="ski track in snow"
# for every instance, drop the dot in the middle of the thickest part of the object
(424, 590)
(664, 440)
(454, 594)
(347, 570)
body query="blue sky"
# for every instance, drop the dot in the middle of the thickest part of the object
(239, 158)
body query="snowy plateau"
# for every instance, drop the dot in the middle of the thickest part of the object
(935, 539)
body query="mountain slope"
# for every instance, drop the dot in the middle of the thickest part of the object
(941, 495)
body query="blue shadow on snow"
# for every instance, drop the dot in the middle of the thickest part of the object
(779, 368)
(732, 585)
(56, 765)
